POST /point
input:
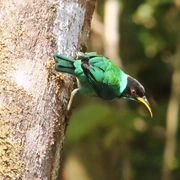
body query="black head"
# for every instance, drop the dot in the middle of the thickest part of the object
(135, 91)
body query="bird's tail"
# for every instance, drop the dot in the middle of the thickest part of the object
(64, 64)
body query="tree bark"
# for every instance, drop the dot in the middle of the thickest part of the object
(33, 97)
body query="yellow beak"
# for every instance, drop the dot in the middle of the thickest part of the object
(146, 103)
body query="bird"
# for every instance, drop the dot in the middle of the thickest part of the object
(98, 76)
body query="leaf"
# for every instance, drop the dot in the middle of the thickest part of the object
(86, 119)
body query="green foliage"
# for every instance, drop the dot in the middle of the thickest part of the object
(85, 119)
(129, 141)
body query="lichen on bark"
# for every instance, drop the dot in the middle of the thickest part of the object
(33, 97)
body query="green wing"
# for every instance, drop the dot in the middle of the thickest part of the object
(103, 75)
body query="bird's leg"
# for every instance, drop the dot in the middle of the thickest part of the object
(81, 55)
(73, 93)
(71, 98)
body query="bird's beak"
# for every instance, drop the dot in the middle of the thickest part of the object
(146, 103)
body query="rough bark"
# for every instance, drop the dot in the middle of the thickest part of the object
(33, 97)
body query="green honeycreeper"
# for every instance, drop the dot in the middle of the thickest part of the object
(98, 76)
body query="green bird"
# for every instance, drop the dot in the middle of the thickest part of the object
(98, 76)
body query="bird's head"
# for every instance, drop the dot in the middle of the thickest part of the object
(135, 91)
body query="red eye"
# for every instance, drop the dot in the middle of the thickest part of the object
(133, 92)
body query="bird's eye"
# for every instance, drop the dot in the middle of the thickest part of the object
(133, 92)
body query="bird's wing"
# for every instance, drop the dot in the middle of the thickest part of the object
(103, 75)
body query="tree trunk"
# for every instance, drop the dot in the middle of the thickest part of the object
(172, 118)
(111, 30)
(33, 97)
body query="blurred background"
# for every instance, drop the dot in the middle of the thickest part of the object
(118, 140)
